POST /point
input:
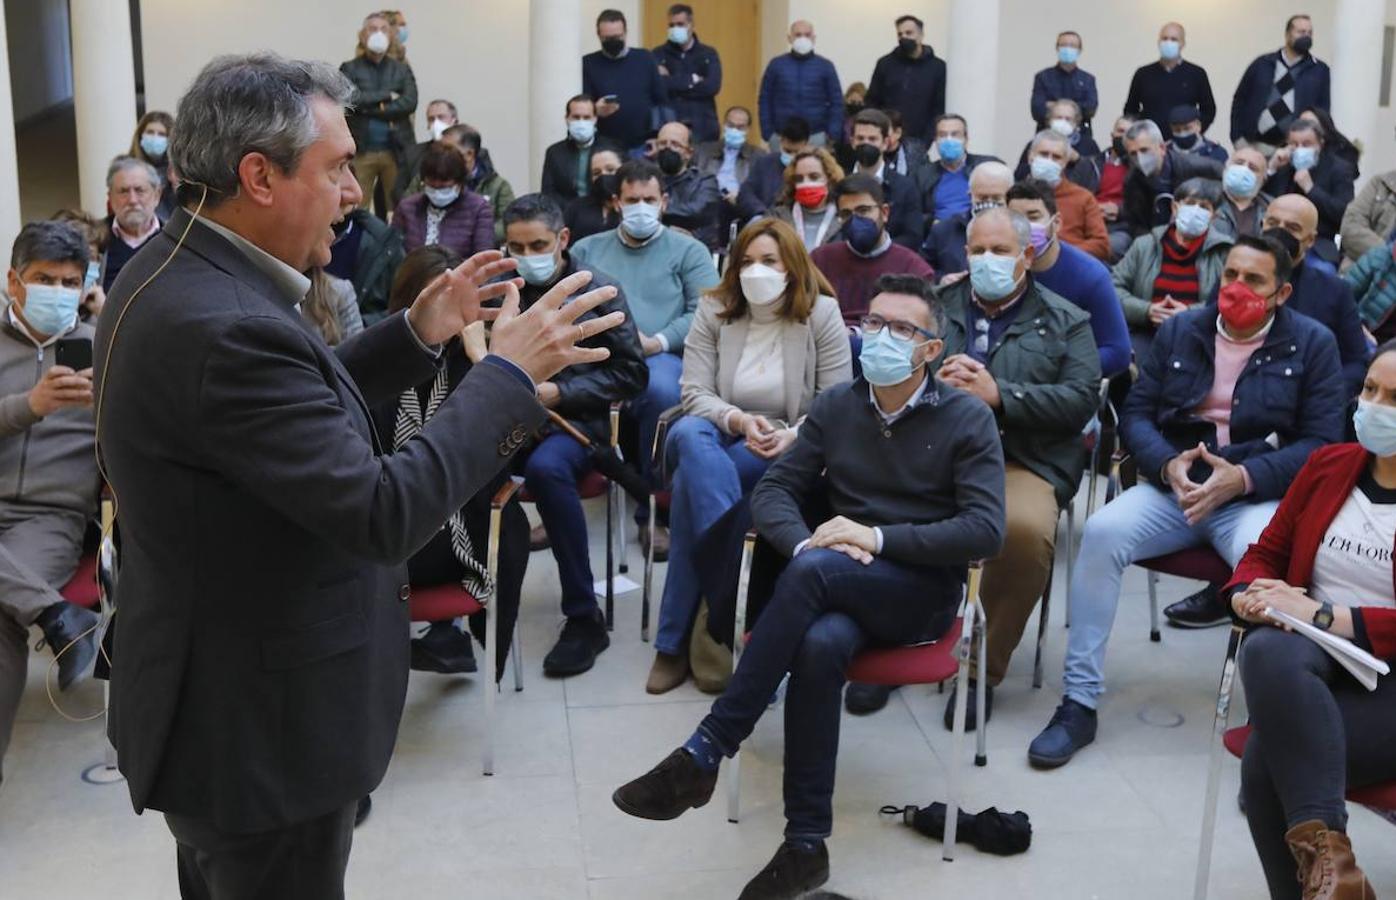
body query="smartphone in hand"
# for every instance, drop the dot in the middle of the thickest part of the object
(75, 353)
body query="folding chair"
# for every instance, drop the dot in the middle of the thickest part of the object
(1380, 798)
(659, 500)
(930, 663)
(444, 602)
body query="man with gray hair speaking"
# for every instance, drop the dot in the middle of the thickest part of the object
(262, 637)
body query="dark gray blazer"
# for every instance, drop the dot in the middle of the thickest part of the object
(263, 642)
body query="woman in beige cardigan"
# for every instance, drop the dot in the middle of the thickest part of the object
(763, 343)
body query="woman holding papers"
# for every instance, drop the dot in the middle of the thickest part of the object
(1325, 559)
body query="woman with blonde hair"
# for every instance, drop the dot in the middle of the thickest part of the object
(806, 203)
(763, 343)
(150, 143)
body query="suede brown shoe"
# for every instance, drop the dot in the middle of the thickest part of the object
(661, 542)
(668, 790)
(668, 672)
(1327, 868)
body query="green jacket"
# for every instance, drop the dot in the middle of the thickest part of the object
(1373, 281)
(1136, 271)
(374, 87)
(500, 193)
(1048, 373)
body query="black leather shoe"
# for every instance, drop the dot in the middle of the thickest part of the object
(789, 874)
(861, 699)
(1071, 728)
(971, 708)
(667, 791)
(445, 649)
(71, 633)
(365, 807)
(582, 640)
(1204, 609)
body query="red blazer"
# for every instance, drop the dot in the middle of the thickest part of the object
(1287, 547)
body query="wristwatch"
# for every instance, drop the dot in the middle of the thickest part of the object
(1323, 616)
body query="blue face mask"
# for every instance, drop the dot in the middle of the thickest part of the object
(537, 269)
(786, 158)
(1303, 158)
(155, 145)
(640, 220)
(1240, 180)
(581, 130)
(1192, 221)
(886, 360)
(94, 272)
(678, 34)
(442, 197)
(863, 234)
(402, 34)
(50, 308)
(1067, 56)
(951, 149)
(1170, 49)
(1376, 427)
(1048, 170)
(734, 137)
(992, 276)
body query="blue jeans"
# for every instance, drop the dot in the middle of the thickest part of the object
(551, 473)
(712, 471)
(661, 393)
(1141, 523)
(824, 609)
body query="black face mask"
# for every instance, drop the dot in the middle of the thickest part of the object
(867, 155)
(604, 187)
(1185, 141)
(908, 46)
(1118, 145)
(669, 161)
(852, 109)
(1303, 45)
(613, 46)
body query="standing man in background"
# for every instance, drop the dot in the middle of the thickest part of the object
(567, 163)
(385, 99)
(692, 74)
(801, 84)
(911, 80)
(1276, 86)
(1064, 81)
(1172, 81)
(625, 83)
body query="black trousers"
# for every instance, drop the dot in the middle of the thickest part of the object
(305, 861)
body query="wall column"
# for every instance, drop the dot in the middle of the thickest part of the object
(1356, 64)
(9, 157)
(973, 52)
(555, 73)
(104, 92)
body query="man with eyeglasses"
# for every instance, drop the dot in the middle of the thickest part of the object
(1029, 356)
(133, 193)
(867, 251)
(909, 474)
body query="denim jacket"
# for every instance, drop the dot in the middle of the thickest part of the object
(1288, 401)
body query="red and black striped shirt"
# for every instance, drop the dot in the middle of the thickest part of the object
(1177, 275)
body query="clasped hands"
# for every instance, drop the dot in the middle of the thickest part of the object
(542, 340)
(1272, 593)
(857, 542)
(1197, 501)
(969, 374)
(762, 437)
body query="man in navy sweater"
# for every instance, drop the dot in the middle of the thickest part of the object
(802, 83)
(626, 83)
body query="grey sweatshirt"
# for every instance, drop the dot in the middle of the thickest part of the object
(49, 462)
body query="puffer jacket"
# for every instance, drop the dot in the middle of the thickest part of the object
(1136, 271)
(488, 183)
(1048, 373)
(1373, 283)
(1370, 218)
(375, 83)
(467, 228)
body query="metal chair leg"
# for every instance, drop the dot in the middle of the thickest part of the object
(981, 734)
(518, 660)
(1154, 634)
(1220, 722)
(610, 557)
(649, 575)
(624, 565)
(1042, 617)
(957, 738)
(734, 766)
(492, 637)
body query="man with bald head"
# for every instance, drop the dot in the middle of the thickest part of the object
(695, 200)
(801, 84)
(1030, 356)
(944, 248)
(1242, 210)
(1170, 82)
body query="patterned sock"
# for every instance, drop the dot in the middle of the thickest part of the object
(703, 751)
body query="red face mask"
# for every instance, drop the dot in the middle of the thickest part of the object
(1241, 308)
(809, 195)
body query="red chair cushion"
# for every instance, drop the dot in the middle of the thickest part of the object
(661, 500)
(921, 664)
(81, 589)
(1201, 563)
(592, 484)
(441, 602)
(1378, 796)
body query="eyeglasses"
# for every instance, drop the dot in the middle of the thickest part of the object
(981, 336)
(902, 331)
(866, 210)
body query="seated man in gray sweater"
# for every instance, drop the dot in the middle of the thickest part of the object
(913, 472)
(48, 466)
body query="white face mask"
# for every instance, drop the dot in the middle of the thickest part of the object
(802, 45)
(438, 128)
(377, 42)
(763, 285)
(1064, 127)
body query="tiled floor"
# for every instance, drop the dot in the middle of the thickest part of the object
(1120, 821)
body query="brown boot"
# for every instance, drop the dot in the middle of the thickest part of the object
(1327, 868)
(661, 542)
(668, 672)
